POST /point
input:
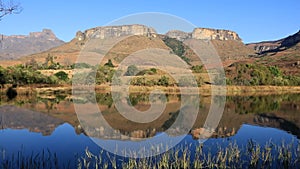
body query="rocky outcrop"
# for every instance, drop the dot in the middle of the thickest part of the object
(179, 35)
(214, 34)
(16, 46)
(115, 31)
(275, 46)
(204, 34)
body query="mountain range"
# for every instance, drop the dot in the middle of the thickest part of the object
(284, 53)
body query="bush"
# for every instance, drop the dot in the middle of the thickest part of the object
(61, 75)
(109, 63)
(104, 74)
(197, 69)
(131, 70)
(163, 81)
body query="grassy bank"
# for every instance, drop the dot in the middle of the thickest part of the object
(203, 90)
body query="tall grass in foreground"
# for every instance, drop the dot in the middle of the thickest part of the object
(252, 155)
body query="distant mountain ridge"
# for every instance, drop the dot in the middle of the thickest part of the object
(276, 46)
(16, 46)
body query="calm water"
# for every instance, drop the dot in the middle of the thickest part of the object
(49, 123)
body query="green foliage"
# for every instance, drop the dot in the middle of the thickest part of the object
(197, 69)
(151, 71)
(142, 81)
(131, 70)
(61, 75)
(163, 81)
(109, 63)
(154, 70)
(80, 66)
(254, 74)
(104, 74)
(177, 47)
(3, 78)
(21, 76)
(104, 99)
(275, 71)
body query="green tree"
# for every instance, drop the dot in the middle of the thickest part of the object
(109, 63)
(61, 75)
(131, 70)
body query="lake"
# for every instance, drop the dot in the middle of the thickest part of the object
(47, 125)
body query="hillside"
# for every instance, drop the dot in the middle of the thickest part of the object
(284, 53)
(16, 46)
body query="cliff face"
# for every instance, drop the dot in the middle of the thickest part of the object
(115, 31)
(264, 46)
(16, 46)
(205, 34)
(214, 34)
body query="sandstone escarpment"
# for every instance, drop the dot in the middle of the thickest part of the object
(214, 34)
(204, 34)
(115, 31)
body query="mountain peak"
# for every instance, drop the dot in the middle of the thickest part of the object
(16, 46)
(104, 32)
(46, 33)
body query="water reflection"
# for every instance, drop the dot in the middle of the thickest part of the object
(47, 112)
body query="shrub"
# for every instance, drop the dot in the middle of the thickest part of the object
(163, 81)
(61, 75)
(131, 70)
(197, 69)
(109, 63)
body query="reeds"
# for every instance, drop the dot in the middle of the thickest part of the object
(225, 155)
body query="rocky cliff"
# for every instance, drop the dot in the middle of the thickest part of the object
(204, 34)
(214, 34)
(16, 46)
(115, 31)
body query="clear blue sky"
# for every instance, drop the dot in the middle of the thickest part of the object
(254, 20)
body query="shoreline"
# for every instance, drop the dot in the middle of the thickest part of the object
(205, 90)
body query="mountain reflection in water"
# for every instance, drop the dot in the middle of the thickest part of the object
(44, 114)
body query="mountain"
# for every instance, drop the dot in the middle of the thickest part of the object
(16, 46)
(268, 47)
(228, 44)
(284, 53)
(13, 117)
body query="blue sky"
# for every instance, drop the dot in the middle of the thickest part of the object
(253, 20)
